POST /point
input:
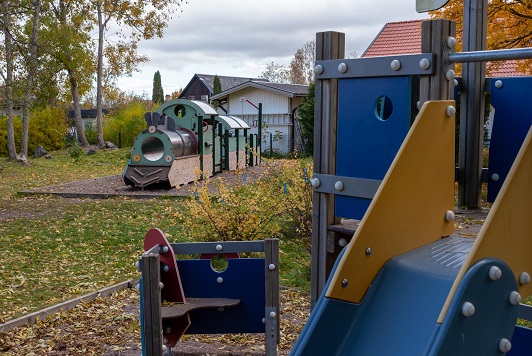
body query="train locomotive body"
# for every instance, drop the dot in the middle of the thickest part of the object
(183, 138)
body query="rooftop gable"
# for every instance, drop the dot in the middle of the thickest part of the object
(289, 90)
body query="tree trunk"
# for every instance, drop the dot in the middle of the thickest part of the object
(99, 125)
(82, 139)
(11, 148)
(32, 67)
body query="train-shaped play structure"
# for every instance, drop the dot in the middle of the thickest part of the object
(185, 137)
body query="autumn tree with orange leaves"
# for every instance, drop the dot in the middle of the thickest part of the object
(509, 25)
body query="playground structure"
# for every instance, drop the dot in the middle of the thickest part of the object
(402, 286)
(202, 296)
(185, 136)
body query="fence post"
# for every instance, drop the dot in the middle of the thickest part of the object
(329, 45)
(151, 306)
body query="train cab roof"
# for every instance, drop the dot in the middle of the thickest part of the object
(232, 122)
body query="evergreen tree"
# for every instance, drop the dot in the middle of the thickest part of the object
(306, 119)
(158, 92)
(216, 85)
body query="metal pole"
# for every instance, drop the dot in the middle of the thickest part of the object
(486, 56)
(260, 133)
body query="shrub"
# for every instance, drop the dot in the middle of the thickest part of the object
(124, 124)
(278, 203)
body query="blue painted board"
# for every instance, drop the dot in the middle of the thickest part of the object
(370, 132)
(513, 117)
(243, 279)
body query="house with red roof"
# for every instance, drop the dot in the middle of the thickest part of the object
(404, 37)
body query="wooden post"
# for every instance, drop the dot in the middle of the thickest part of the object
(472, 106)
(434, 35)
(271, 260)
(329, 45)
(151, 306)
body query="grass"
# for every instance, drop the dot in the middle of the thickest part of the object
(57, 249)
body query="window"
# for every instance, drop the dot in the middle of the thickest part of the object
(191, 97)
(205, 98)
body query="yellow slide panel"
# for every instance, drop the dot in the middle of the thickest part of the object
(507, 232)
(412, 207)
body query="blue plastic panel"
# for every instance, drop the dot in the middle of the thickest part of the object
(243, 279)
(513, 118)
(367, 144)
(521, 342)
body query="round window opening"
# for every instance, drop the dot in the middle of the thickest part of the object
(383, 108)
(180, 111)
(152, 149)
(219, 263)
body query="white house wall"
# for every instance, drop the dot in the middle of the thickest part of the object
(276, 115)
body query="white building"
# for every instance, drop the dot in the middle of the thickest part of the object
(280, 130)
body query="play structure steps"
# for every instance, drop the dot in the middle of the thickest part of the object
(180, 309)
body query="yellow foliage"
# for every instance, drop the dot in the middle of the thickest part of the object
(279, 200)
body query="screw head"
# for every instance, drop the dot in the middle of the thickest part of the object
(161, 285)
(455, 82)
(315, 182)
(138, 266)
(451, 42)
(152, 129)
(418, 105)
(219, 280)
(344, 282)
(368, 251)
(342, 242)
(505, 345)
(219, 248)
(271, 266)
(495, 177)
(450, 74)
(424, 63)
(272, 314)
(168, 159)
(450, 111)
(339, 185)
(449, 215)
(524, 278)
(318, 69)
(515, 298)
(498, 84)
(495, 273)
(468, 309)
(395, 65)
(342, 67)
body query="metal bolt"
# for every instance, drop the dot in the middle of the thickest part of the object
(167, 330)
(271, 266)
(418, 105)
(395, 65)
(315, 182)
(152, 129)
(449, 215)
(163, 249)
(138, 265)
(165, 340)
(456, 82)
(344, 282)
(342, 242)
(468, 309)
(495, 273)
(495, 177)
(424, 63)
(450, 74)
(505, 345)
(272, 314)
(318, 69)
(498, 84)
(342, 67)
(339, 185)
(161, 285)
(165, 268)
(450, 111)
(168, 159)
(219, 248)
(515, 298)
(219, 280)
(368, 251)
(524, 278)
(451, 42)
(138, 286)
(264, 320)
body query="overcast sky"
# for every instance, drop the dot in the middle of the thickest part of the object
(240, 37)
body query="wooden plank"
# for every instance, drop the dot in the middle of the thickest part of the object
(42, 314)
(151, 305)
(329, 45)
(178, 310)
